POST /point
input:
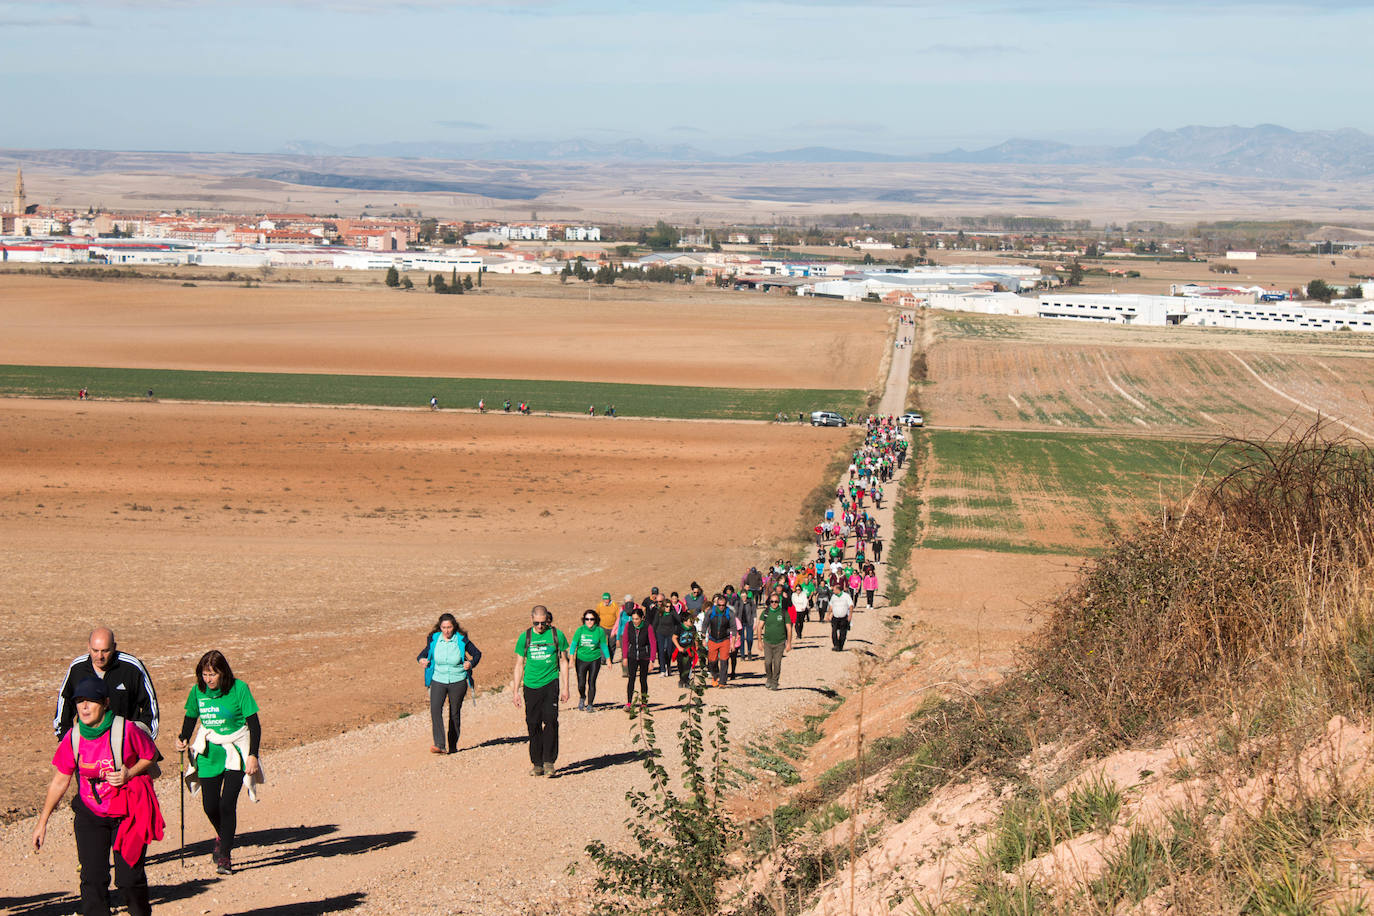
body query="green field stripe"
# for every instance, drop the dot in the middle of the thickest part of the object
(668, 401)
(981, 481)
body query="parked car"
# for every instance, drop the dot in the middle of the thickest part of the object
(911, 418)
(827, 418)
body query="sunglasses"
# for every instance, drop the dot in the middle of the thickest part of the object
(540, 623)
(588, 619)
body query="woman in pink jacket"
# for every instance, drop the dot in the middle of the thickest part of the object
(870, 583)
(854, 583)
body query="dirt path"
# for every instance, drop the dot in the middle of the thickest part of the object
(898, 377)
(370, 821)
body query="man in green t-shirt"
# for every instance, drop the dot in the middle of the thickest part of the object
(541, 663)
(772, 630)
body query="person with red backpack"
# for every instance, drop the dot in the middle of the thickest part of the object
(685, 642)
(115, 809)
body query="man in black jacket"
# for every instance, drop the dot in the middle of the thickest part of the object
(127, 682)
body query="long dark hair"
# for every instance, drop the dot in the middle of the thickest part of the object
(215, 661)
(457, 627)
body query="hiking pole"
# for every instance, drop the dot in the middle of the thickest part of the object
(181, 781)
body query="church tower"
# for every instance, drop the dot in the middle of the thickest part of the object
(20, 205)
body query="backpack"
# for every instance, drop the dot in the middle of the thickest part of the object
(529, 637)
(714, 619)
(116, 741)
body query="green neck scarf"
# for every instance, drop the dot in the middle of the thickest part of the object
(90, 732)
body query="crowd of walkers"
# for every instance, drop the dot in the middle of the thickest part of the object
(107, 716)
(678, 634)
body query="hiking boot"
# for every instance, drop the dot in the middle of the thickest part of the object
(627, 707)
(549, 770)
(435, 750)
(223, 866)
(581, 704)
(536, 771)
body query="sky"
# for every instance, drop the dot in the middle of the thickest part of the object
(727, 76)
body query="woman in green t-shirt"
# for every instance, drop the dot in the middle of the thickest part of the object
(225, 751)
(589, 650)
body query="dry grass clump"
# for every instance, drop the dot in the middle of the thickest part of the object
(1250, 615)
(1259, 578)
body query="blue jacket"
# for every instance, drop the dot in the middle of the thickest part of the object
(466, 652)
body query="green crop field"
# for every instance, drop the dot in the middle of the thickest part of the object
(666, 401)
(1049, 492)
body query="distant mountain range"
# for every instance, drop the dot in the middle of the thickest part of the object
(1267, 151)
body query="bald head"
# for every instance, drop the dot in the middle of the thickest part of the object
(102, 646)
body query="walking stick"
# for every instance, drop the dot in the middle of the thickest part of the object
(181, 780)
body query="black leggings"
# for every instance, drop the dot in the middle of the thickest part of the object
(638, 666)
(94, 840)
(586, 680)
(220, 796)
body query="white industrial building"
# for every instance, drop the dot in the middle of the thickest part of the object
(357, 259)
(1118, 309)
(981, 302)
(925, 280)
(1282, 316)
(1216, 313)
(435, 262)
(582, 234)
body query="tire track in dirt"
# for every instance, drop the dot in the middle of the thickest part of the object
(1305, 406)
(1119, 390)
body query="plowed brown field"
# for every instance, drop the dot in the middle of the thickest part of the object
(741, 341)
(1036, 374)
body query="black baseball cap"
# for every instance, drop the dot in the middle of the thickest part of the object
(91, 688)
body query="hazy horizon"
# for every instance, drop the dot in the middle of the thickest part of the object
(885, 76)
